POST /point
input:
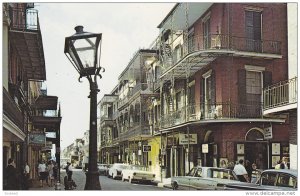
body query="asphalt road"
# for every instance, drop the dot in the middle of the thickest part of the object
(108, 184)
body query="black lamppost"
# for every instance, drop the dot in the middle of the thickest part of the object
(83, 50)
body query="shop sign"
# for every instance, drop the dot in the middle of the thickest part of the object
(51, 134)
(146, 148)
(268, 133)
(37, 138)
(187, 139)
(204, 148)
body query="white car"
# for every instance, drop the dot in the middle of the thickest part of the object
(137, 173)
(115, 170)
(204, 178)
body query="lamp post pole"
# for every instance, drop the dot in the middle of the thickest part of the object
(82, 49)
(92, 176)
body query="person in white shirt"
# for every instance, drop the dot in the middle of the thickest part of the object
(42, 172)
(69, 171)
(241, 172)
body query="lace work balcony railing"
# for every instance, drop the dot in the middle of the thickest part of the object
(136, 131)
(281, 94)
(218, 42)
(217, 111)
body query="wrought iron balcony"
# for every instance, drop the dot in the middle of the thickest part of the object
(25, 35)
(281, 94)
(12, 111)
(218, 44)
(137, 131)
(207, 112)
(24, 19)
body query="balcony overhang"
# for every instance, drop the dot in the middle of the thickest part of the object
(177, 17)
(46, 122)
(195, 61)
(46, 102)
(29, 47)
(205, 122)
(11, 132)
(282, 108)
(107, 123)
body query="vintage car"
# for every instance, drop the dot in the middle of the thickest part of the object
(204, 178)
(271, 179)
(103, 169)
(115, 170)
(137, 173)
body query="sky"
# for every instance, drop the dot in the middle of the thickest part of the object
(125, 28)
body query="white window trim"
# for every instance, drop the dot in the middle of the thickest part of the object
(254, 68)
(253, 9)
(206, 17)
(207, 74)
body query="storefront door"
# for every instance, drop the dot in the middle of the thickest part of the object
(257, 152)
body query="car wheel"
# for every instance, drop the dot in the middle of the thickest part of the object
(174, 186)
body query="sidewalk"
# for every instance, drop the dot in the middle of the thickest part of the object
(36, 186)
(166, 183)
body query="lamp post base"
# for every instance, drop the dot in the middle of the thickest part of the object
(92, 181)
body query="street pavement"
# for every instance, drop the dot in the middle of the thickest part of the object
(107, 184)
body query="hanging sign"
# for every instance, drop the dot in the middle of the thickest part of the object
(146, 148)
(204, 148)
(37, 138)
(268, 133)
(187, 139)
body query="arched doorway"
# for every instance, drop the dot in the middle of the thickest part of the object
(256, 148)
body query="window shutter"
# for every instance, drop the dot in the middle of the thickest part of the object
(202, 95)
(267, 78)
(242, 86)
(213, 87)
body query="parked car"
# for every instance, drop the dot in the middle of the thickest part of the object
(137, 173)
(271, 179)
(204, 178)
(115, 170)
(103, 169)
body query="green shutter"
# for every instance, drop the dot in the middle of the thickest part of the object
(242, 86)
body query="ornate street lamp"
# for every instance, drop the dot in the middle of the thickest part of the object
(83, 51)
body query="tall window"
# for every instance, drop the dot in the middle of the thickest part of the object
(206, 33)
(178, 101)
(253, 93)
(177, 53)
(253, 30)
(191, 41)
(253, 87)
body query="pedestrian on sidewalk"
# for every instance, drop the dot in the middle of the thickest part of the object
(42, 173)
(10, 176)
(55, 172)
(69, 171)
(50, 172)
(26, 176)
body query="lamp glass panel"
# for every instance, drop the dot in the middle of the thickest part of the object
(86, 50)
